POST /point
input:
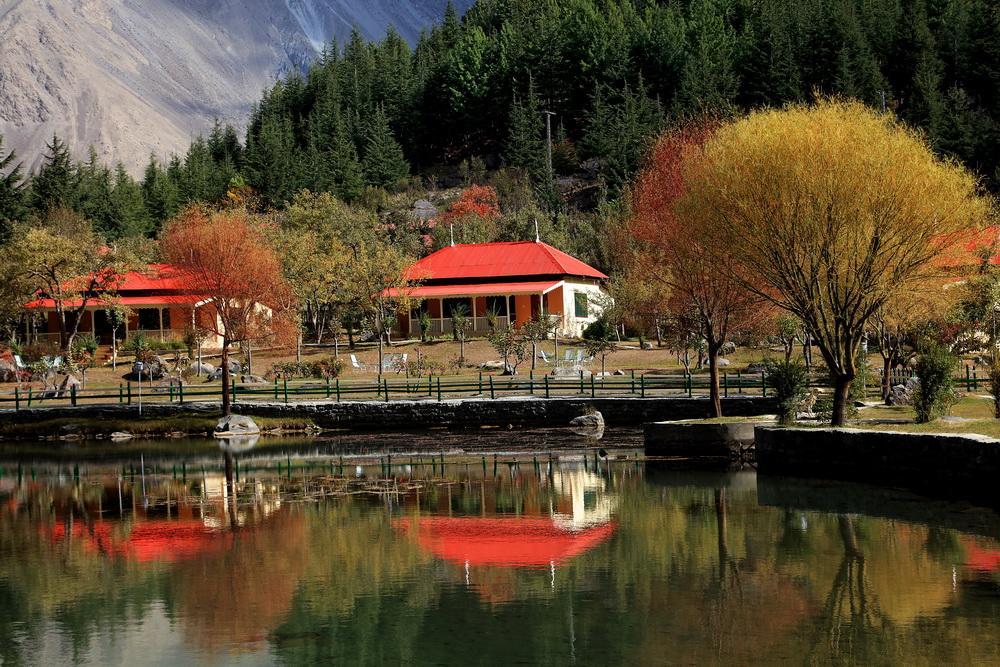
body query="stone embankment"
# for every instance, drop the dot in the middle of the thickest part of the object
(912, 459)
(707, 441)
(417, 415)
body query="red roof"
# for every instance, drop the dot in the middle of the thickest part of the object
(475, 289)
(151, 300)
(159, 279)
(499, 260)
(505, 542)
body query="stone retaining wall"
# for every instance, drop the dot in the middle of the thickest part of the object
(712, 440)
(913, 459)
(416, 415)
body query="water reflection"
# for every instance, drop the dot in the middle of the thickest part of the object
(424, 560)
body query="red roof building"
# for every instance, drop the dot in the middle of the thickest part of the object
(509, 282)
(161, 304)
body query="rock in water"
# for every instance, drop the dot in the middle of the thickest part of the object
(594, 420)
(236, 425)
(119, 436)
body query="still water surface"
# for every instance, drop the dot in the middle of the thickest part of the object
(567, 561)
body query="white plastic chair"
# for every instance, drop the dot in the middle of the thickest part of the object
(357, 364)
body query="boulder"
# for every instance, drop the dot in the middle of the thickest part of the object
(646, 345)
(723, 363)
(119, 436)
(756, 369)
(252, 379)
(202, 368)
(67, 385)
(8, 371)
(235, 367)
(150, 371)
(904, 394)
(570, 372)
(236, 425)
(492, 366)
(594, 420)
(619, 372)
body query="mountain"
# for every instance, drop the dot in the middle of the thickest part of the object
(131, 77)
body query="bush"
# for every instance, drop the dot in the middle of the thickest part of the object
(599, 329)
(321, 369)
(790, 380)
(936, 393)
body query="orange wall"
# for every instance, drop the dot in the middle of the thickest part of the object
(522, 306)
(434, 307)
(554, 301)
(481, 306)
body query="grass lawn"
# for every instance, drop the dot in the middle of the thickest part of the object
(972, 414)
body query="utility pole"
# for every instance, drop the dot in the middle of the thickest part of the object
(548, 144)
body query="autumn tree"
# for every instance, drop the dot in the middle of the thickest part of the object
(472, 218)
(835, 209)
(227, 257)
(675, 250)
(60, 257)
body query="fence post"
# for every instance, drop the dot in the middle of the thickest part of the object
(328, 387)
(531, 382)
(72, 396)
(492, 392)
(975, 380)
(592, 390)
(275, 388)
(234, 390)
(285, 386)
(546, 386)
(581, 381)
(739, 381)
(763, 385)
(642, 386)
(121, 393)
(17, 399)
(725, 384)
(690, 384)
(130, 393)
(968, 378)
(439, 387)
(480, 383)
(180, 390)
(29, 397)
(386, 390)
(338, 390)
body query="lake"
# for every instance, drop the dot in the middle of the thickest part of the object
(353, 550)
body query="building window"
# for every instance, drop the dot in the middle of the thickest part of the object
(581, 304)
(451, 304)
(149, 319)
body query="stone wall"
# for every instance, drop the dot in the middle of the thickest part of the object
(913, 459)
(711, 440)
(417, 415)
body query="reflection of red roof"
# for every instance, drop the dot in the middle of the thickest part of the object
(981, 559)
(477, 289)
(512, 542)
(149, 541)
(499, 260)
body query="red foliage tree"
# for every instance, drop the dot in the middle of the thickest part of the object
(478, 200)
(671, 245)
(226, 257)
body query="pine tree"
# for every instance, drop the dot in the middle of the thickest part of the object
(129, 215)
(525, 146)
(11, 192)
(383, 163)
(54, 184)
(159, 192)
(709, 81)
(93, 193)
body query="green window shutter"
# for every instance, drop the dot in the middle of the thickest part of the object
(582, 306)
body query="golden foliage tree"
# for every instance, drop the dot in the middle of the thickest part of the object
(835, 208)
(227, 257)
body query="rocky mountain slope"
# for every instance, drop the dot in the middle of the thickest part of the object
(133, 77)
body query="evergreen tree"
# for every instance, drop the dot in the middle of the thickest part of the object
(93, 193)
(159, 192)
(55, 183)
(383, 163)
(11, 192)
(525, 146)
(128, 208)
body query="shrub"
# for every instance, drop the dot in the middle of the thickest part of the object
(321, 369)
(790, 380)
(936, 393)
(599, 329)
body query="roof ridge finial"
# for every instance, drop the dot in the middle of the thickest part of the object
(451, 229)
(538, 236)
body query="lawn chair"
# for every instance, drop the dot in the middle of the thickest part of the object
(389, 362)
(357, 365)
(19, 362)
(544, 357)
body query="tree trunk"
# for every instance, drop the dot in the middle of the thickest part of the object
(336, 345)
(713, 380)
(534, 355)
(807, 350)
(841, 395)
(227, 408)
(886, 378)
(380, 346)
(350, 335)
(461, 348)
(659, 334)
(298, 348)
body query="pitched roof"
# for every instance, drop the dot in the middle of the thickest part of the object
(500, 260)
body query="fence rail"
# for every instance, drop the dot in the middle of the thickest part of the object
(438, 388)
